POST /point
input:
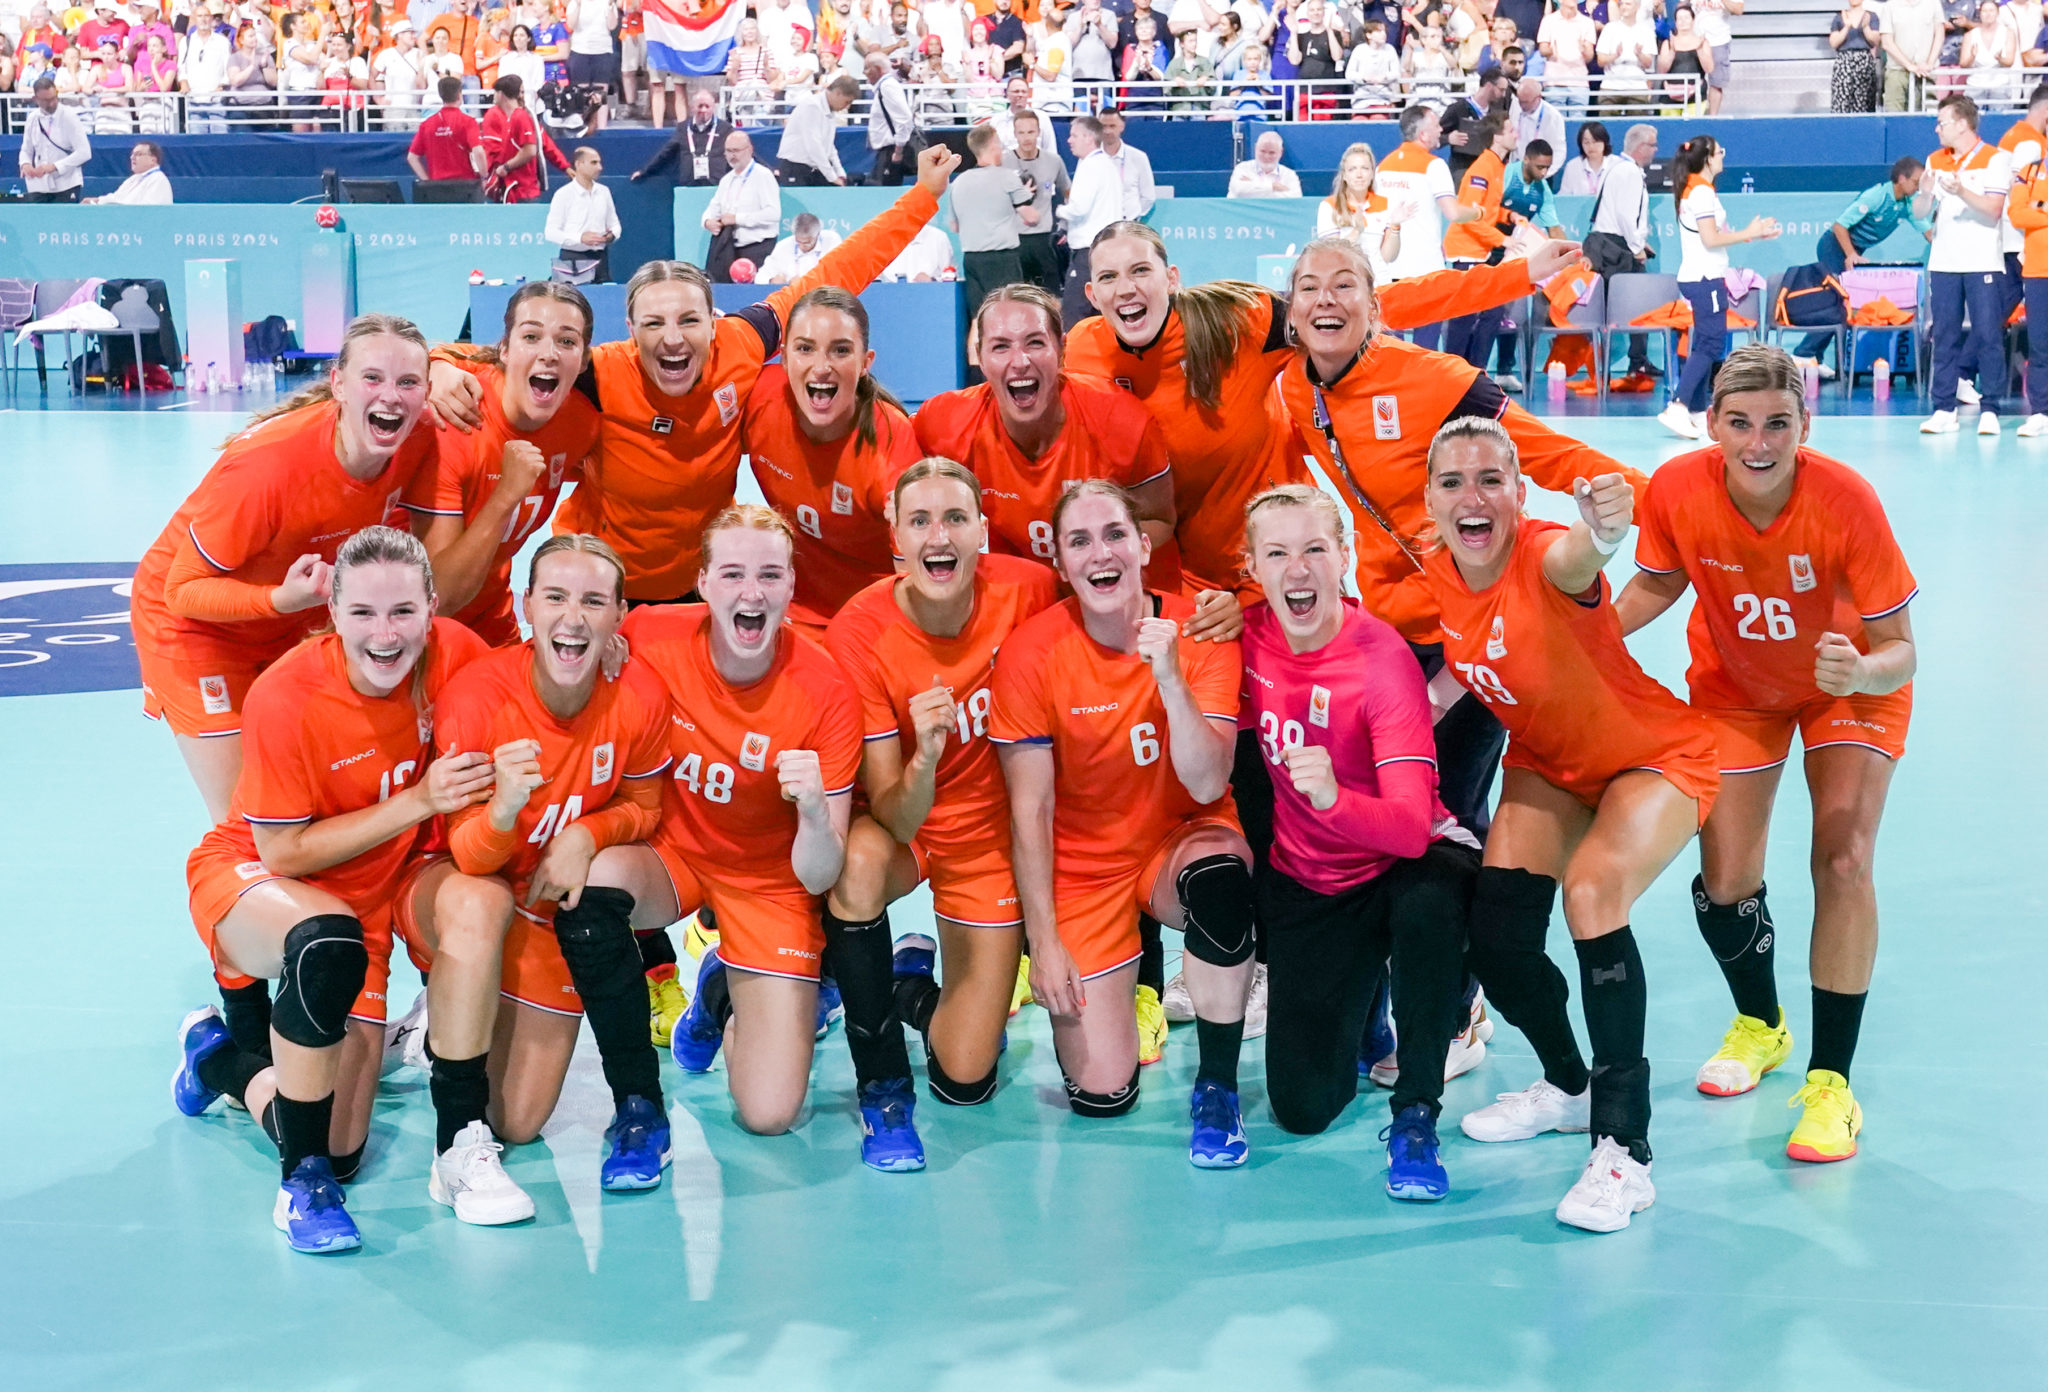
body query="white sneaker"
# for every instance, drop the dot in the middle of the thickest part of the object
(1254, 1004)
(1940, 423)
(1966, 392)
(1987, 423)
(1519, 1116)
(1180, 1006)
(1467, 1051)
(1508, 382)
(2033, 427)
(405, 1039)
(1480, 1023)
(1611, 1189)
(469, 1178)
(1676, 419)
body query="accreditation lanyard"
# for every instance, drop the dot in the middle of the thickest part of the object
(1329, 429)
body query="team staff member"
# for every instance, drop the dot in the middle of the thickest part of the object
(1608, 777)
(1874, 216)
(513, 912)
(1116, 744)
(297, 883)
(1413, 174)
(1799, 620)
(1473, 243)
(1367, 405)
(238, 573)
(1202, 359)
(489, 490)
(1365, 863)
(2024, 143)
(919, 649)
(2026, 207)
(1966, 266)
(766, 739)
(826, 440)
(673, 396)
(1704, 236)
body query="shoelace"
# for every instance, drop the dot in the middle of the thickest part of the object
(1755, 1036)
(1420, 1139)
(321, 1195)
(1608, 1174)
(1212, 1109)
(1813, 1094)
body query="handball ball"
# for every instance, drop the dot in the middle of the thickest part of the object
(327, 216)
(742, 272)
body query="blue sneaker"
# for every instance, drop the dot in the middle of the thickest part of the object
(310, 1210)
(915, 955)
(888, 1133)
(695, 1043)
(1379, 1042)
(200, 1035)
(1218, 1142)
(640, 1149)
(1414, 1171)
(830, 1006)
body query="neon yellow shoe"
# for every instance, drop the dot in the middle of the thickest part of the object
(666, 1002)
(697, 939)
(1827, 1131)
(1021, 996)
(1151, 1026)
(1749, 1050)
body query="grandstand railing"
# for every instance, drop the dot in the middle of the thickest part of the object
(1993, 89)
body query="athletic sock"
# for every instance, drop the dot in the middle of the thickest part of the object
(1510, 919)
(1217, 1046)
(229, 1070)
(1743, 941)
(1837, 1021)
(917, 1000)
(1617, 1005)
(301, 1128)
(657, 949)
(246, 1012)
(1151, 954)
(461, 1089)
(857, 956)
(604, 966)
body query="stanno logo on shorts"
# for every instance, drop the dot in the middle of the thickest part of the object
(251, 870)
(1386, 418)
(601, 765)
(754, 752)
(1319, 706)
(1497, 639)
(1802, 574)
(213, 695)
(842, 499)
(728, 399)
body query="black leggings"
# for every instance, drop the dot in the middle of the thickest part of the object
(1324, 957)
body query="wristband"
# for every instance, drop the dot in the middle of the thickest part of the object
(1605, 548)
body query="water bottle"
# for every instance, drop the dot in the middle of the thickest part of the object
(1881, 379)
(1809, 377)
(1748, 183)
(1554, 376)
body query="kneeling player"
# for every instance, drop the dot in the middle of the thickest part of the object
(297, 884)
(1116, 743)
(919, 649)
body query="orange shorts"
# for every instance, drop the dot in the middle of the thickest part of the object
(777, 934)
(971, 884)
(1689, 767)
(1098, 914)
(198, 696)
(217, 878)
(532, 972)
(1754, 740)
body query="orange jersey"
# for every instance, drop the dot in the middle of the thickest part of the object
(275, 494)
(465, 474)
(667, 464)
(1553, 669)
(2026, 208)
(1107, 435)
(1115, 794)
(1383, 412)
(1829, 563)
(314, 747)
(1484, 182)
(889, 659)
(834, 493)
(1223, 456)
(621, 734)
(723, 807)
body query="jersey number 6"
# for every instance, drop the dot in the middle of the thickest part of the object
(1145, 743)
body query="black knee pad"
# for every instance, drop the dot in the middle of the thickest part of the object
(956, 1094)
(325, 964)
(346, 1167)
(596, 936)
(1216, 900)
(1103, 1104)
(1510, 911)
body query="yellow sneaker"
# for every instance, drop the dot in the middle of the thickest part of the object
(1021, 997)
(1827, 1130)
(697, 939)
(1749, 1050)
(666, 1002)
(1151, 1026)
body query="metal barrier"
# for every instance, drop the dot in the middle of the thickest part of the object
(1993, 89)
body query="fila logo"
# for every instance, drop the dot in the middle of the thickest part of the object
(1802, 574)
(1125, 383)
(1386, 418)
(1319, 706)
(661, 425)
(1497, 639)
(728, 399)
(754, 752)
(842, 499)
(601, 765)
(213, 695)
(558, 464)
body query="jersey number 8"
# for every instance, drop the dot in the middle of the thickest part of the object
(1041, 539)
(717, 785)
(1774, 615)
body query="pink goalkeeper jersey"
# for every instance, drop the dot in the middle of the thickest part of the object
(1362, 696)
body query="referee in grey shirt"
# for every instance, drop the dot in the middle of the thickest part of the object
(1046, 176)
(991, 209)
